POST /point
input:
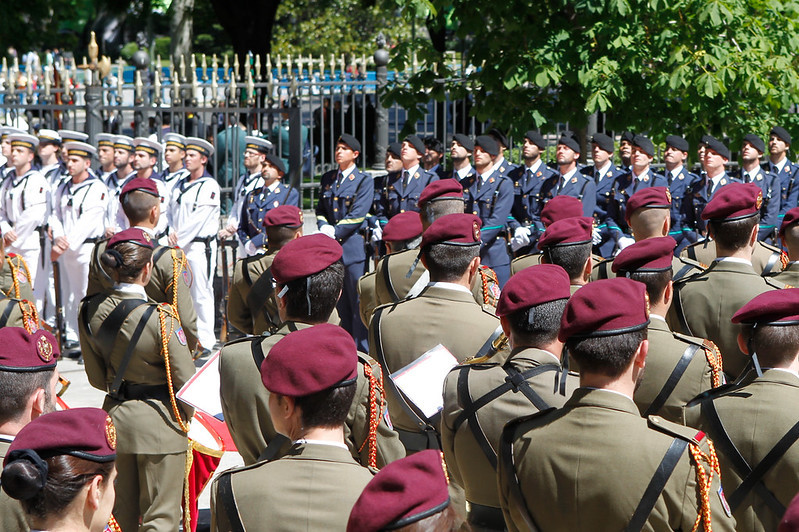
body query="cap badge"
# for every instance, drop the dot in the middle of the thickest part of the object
(759, 200)
(146, 237)
(110, 433)
(44, 349)
(646, 299)
(476, 231)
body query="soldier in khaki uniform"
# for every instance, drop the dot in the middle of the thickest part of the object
(595, 464)
(443, 313)
(480, 398)
(127, 357)
(310, 271)
(251, 306)
(705, 302)
(171, 276)
(754, 432)
(789, 234)
(402, 232)
(558, 208)
(28, 380)
(678, 367)
(311, 376)
(649, 216)
(392, 279)
(15, 279)
(567, 243)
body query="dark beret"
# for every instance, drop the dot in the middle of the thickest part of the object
(781, 133)
(648, 255)
(464, 141)
(719, 147)
(588, 313)
(488, 144)
(349, 140)
(627, 136)
(604, 142)
(734, 202)
(305, 256)
(755, 141)
(533, 286)
(705, 139)
(536, 138)
(570, 140)
(417, 144)
(499, 136)
(677, 142)
(395, 148)
(311, 360)
(431, 142)
(642, 142)
(277, 162)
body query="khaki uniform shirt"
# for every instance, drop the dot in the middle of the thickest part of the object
(765, 257)
(249, 286)
(245, 403)
(161, 286)
(143, 426)
(666, 349)
(467, 463)
(706, 302)
(587, 465)
(410, 328)
(15, 264)
(790, 275)
(312, 488)
(12, 517)
(755, 416)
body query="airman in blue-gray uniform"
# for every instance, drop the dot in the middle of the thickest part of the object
(271, 194)
(460, 153)
(400, 191)
(345, 197)
(528, 178)
(778, 164)
(640, 176)
(626, 150)
(569, 181)
(490, 196)
(501, 165)
(604, 174)
(681, 182)
(752, 149)
(434, 156)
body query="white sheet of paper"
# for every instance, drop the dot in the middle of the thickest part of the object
(202, 390)
(422, 381)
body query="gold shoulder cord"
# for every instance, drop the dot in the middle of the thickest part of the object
(30, 317)
(15, 267)
(377, 396)
(704, 481)
(177, 265)
(784, 260)
(166, 310)
(714, 359)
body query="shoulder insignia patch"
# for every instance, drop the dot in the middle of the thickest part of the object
(181, 336)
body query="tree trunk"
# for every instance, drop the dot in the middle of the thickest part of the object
(180, 27)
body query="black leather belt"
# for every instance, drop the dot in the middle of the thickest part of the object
(92, 240)
(141, 392)
(486, 517)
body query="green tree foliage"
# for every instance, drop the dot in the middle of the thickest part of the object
(690, 66)
(41, 24)
(335, 26)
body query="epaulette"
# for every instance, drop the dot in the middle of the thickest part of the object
(769, 247)
(477, 365)
(240, 468)
(775, 283)
(690, 268)
(688, 339)
(365, 359)
(675, 430)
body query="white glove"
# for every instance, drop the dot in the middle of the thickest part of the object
(328, 230)
(521, 238)
(249, 247)
(625, 241)
(377, 235)
(596, 237)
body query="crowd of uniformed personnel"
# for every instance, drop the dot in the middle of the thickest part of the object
(625, 340)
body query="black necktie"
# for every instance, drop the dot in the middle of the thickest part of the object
(406, 177)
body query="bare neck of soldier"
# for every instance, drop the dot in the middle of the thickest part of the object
(483, 168)
(624, 382)
(750, 164)
(124, 171)
(198, 173)
(22, 169)
(80, 178)
(145, 173)
(51, 159)
(460, 163)
(176, 166)
(744, 252)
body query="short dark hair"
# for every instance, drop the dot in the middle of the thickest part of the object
(328, 408)
(133, 259)
(432, 143)
(279, 235)
(448, 263)
(606, 355)
(16, 388)
(325, 288)
(571, 258)
(655, 282)
(137, 205)
(538, 326)
(774, 344)
(433, 210)
(66, 477)
(733, 234)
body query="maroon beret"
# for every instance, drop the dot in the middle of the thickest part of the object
(559, 208)
(140, 183)
(567, 232)
(288, 215)
(135, 235)
(648, 255)
(403, 226)
(790, 521)
(532, 286)
(605, 308)
(86, 433)
(23, 352)
(442, 189)
(651, 198)
(310, 360)
(734, 202)
(404, 492)
(305, 256)
(775, 307)
(455, 229)
(791, 217)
